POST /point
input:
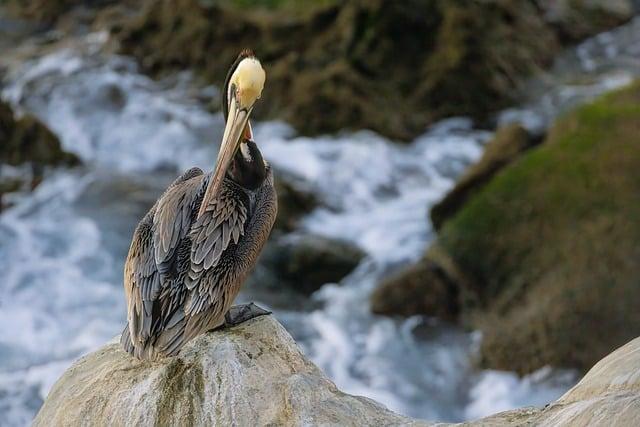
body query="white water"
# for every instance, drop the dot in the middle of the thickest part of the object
(62, 247)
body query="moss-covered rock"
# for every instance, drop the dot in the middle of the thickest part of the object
(507, 144)
(551, 243)
(384, 65)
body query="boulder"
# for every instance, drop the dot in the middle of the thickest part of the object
(250, 375)
(295, 199)
(434, 286)
(508, 143)
(422, 288)
(305, 262)
(254, 374)
(550, 245)
(27, 141)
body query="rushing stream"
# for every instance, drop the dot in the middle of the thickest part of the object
(62, 247)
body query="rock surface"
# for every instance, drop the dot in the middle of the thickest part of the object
(295, 199)
(609, 395)
(422, 288)
(254, 374)
(305, 262)
(27, 142)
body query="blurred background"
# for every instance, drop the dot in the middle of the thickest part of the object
(458, 183)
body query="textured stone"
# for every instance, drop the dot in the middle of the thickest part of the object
(254, 374)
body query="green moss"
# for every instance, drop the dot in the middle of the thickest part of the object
(561, 220)
(508, 143)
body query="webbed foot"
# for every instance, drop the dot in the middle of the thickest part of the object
(243, 312)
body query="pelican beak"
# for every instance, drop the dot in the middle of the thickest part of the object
(237, 126)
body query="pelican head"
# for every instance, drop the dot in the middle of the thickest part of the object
(242, 89)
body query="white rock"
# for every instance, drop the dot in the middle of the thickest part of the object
(255, 375)
(250, 375)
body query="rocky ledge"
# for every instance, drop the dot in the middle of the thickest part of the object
(255, 374)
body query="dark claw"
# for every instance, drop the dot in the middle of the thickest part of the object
(243, 312)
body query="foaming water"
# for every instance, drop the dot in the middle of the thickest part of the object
(599, 64)
(62, 247)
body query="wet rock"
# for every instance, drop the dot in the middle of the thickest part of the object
(508, 143)
(252, 375)
(333, 65)
(434, 286)
(551, 243)
(305, 262)
(293, 266)
(422, 288)
(26, 141)
(295, 199)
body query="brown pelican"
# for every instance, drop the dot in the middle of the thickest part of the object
(194, 248)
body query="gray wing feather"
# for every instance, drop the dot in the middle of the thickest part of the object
(222, 224)
(142, 279)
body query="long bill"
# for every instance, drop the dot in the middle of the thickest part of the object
(236, 123)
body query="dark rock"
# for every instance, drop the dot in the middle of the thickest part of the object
(421, 288)
(26, 140)
(508, 143)
(433, 286)
(295, 199)
(305, 262)
(389, 66)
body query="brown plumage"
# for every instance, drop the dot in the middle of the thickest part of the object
(194, 248)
